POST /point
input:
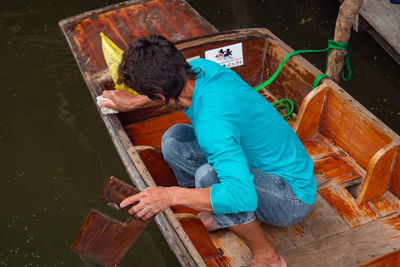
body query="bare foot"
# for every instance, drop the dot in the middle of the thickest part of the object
(208, 221)
(275, 262)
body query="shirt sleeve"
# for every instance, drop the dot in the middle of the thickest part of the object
(221, 145)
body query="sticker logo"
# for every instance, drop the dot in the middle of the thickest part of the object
(229, 56)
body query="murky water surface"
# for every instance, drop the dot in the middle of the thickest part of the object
(56, 155)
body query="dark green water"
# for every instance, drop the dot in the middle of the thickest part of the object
(56, 155)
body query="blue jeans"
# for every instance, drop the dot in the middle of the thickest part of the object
(277, 204)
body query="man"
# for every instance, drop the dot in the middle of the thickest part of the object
(244, 161)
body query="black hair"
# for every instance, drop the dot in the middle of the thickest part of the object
(153, 65)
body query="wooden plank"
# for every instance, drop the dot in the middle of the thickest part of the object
(310, 112)
(198, 234)
(158, 168)
(333, 169)
(318, 146)
(355, 132)
(394, 185)
(392, 200)
(295, 80)
(151, 131)
(235, 251)
(323, 221)
(388, 260)
(384, 18)
(378, 174)
(353, 214)
(382, 207)
(349, 248)
(278, 237)
(103, 239)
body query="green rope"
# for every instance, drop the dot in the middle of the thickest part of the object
(286, 103)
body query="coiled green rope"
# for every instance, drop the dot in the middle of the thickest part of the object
(288, 104)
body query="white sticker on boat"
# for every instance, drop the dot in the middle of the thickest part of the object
(192, 58)
(229, 56)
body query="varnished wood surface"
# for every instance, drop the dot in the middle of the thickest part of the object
(353, 213)
(394, 185)
(335, 132)
(378, 173)
(350, 248)
(103, 239)
(310, 112)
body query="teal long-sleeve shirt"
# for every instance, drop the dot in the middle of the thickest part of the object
(237, 129)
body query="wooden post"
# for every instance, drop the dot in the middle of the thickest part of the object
(347, 15)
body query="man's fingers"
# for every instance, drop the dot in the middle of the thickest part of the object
(144, 211)
(109, 104)
(108, 93)
(148, 216)
(130, 200)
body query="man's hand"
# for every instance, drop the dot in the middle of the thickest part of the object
(123, 101)
(151, 202)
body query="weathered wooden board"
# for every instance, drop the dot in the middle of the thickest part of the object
(126, 21)
(310, 112)
(353, 214)
(394, 185)
(150, 132)
(318, 146)
(388, 260)
(103, 239)
(235, 251)
(295, 80)
(382, 207)
(378, 174)
(323, 221)
(354, 132)
(158, 168)
(392, 200)
(333, 169)
(349, 248)
(384, 17)
(278, 237)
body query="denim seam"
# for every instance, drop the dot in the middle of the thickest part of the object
(241, 221)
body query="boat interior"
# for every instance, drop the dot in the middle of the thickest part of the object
(354, 161)
(355, 220)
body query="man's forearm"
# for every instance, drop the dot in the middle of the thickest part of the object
(194, 198)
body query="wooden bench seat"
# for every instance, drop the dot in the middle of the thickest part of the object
(329, 115)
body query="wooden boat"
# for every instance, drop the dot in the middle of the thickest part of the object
(356, 218)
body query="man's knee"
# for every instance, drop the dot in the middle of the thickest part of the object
(205, 176)
(169, 141)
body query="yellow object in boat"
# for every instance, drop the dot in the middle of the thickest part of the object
(113, 57)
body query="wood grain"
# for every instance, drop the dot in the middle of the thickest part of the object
(333, 169)
(392, 200)
(352, 213)
(378, 174)
(394, 185)
(388, 260)
(103, 239)
(150, 132)
(354, 132)
(382, 207)
(310, 113)
(351, 247)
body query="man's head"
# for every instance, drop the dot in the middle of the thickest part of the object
(153, 66)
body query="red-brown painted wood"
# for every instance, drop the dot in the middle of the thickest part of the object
(103, 239)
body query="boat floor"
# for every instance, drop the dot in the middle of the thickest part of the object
(338, 231)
